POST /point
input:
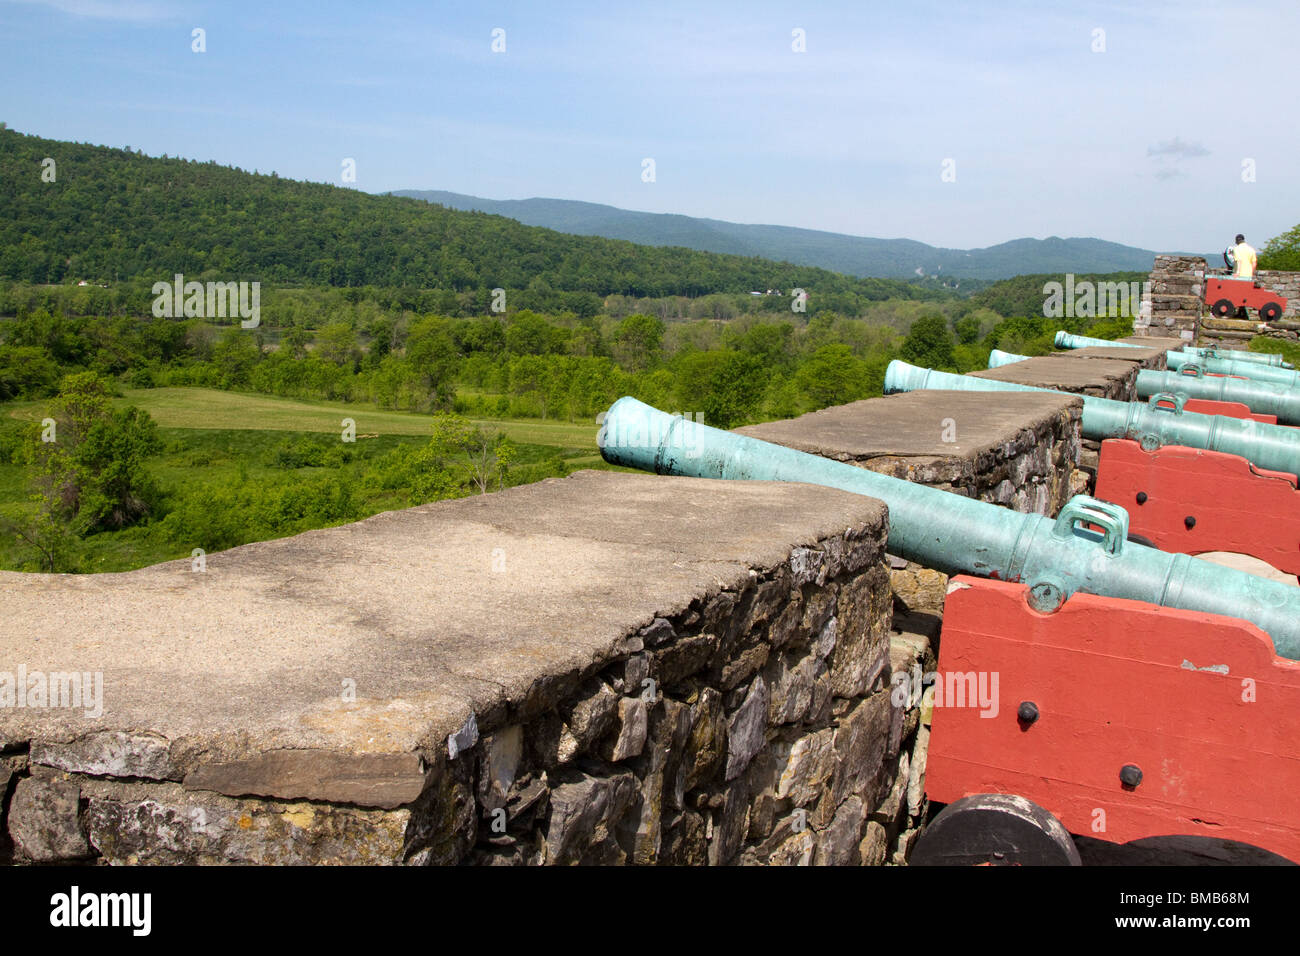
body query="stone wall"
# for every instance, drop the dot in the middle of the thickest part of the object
(1177, 286)
(1008, 448)
(1178, 305)
(606, 668)
(1155, 359)
(1154, 342)
(1285, 284)
(1104, 378)
(1017, 449)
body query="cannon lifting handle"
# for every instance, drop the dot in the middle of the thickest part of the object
(1111, 518)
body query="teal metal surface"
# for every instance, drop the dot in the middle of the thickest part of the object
(1238, 355)
(1262, 397)
(1085, 548)
(1223, 365)
(1153, 424)
(999, 358)
(1066, 340)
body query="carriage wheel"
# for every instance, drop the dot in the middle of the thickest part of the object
(995, 828)
(1223, 309)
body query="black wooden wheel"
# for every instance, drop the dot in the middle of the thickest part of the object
(1223, 309)
(995, 828)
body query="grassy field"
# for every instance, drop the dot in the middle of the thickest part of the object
(212, 408)
(217, 439)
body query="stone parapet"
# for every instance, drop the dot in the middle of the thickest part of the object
(605, 668)
(1017, 449)
(1104, 378)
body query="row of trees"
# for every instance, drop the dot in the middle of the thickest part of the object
(526, 364)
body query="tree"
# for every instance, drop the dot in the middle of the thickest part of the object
(235, 355)
(530, 334)
(1282, 252)
(769, 343)
(593, 385)
(968, 330)
(90, 471)
(929, 343)
(638, 341)
(26, 370)
(337, 344)
(736, 390)
(1025, 335)
(487, 457)
(832, 376)
(544, 377)
(382, 331)
(726, 388)
(294, 341)
(432, 354)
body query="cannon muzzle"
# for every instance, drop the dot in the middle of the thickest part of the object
(1085, 548)
(999, 358)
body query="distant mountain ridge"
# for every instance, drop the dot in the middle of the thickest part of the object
(121, 215)
(852, 255)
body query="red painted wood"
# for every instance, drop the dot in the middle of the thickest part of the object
(1237, 506)
(1122, 682)
(1241, 292)
(1206, 406)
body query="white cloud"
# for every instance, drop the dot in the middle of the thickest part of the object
(1175, 149)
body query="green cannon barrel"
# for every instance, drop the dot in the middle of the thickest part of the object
(1273, 375)
(999, 358)
(1263, 397)
(1238, 355)
(1054, 557)
(1222, 364)
(1161, 422)
(1067, 340)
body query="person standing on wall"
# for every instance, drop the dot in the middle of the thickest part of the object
(1242, 258)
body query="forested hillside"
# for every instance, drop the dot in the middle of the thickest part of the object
(380, 374)
(111, 214)
(1024, 295)
(851, 254)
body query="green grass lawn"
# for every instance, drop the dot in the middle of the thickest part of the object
(216, 438)
(206, 408)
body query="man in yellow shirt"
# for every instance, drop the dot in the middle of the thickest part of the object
(1245, 258)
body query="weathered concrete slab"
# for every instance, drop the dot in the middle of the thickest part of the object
(257, 652)
(1155, 341)
(604, 668)
(1102, 377)
(1009, 448)
(1152, 358)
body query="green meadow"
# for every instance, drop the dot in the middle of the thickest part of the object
(218, 442)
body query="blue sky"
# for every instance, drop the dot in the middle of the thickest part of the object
(1140, 144)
